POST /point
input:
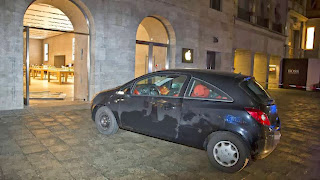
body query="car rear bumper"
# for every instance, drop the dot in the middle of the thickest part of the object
(267, 144)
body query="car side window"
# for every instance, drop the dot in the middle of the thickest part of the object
(160, 85)
(203, 90)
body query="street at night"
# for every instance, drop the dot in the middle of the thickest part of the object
(63, 143)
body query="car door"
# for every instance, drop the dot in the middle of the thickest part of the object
(166, 107)
(204, 106)
(137, 108)
(134, 109)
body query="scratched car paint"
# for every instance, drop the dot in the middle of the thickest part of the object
(229, 115)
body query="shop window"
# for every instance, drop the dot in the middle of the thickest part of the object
(203, 90)
(211, 60)
(215, 4)
(310, 38)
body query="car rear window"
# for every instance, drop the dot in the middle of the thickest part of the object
(253, 88)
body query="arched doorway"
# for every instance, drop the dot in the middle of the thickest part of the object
(57, 51)
(152, 47)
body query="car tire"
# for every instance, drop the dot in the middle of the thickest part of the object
(227, 152)
(105, 121)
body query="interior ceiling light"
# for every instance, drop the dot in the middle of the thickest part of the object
(47, 17)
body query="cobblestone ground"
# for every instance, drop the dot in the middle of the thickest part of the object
(63, 143)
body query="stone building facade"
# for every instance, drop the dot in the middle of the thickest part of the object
(243, 36)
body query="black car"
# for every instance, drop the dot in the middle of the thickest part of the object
(229, 115)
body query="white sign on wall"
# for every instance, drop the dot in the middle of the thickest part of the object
(46, 52)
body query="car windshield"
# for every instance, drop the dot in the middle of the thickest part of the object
(255, 89)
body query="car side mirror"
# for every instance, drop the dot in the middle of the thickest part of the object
(120, 93)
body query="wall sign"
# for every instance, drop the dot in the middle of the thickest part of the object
(187, 55)
(46, 52)
(293, 71)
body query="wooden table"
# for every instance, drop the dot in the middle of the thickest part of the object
(59, 72)
(35, 71)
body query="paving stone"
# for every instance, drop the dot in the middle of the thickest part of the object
(46, 119)
(58, 148)
(66, 155)
(57, 128)
(33, 149)
(72, 142)
(44, 136)
(40, 131)
(51, 141)
(54, 174)
(27, 142)
(43, 161)
(51, 123)
(29, 174)
(79, 151)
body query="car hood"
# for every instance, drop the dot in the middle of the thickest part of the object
(103, 96)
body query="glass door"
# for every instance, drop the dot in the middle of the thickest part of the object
(159, 58)
(142, 60)
(150, 57)
(26, 70)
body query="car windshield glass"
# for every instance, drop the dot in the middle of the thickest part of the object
(256, 89)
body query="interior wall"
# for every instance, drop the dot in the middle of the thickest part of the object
(274, 76)
(36, 51)
(242, 62)
(156, 31)
(59, 45)
(260, 68)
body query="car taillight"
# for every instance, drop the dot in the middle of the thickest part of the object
(259, 116)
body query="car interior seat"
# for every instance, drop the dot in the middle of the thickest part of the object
(200, 91)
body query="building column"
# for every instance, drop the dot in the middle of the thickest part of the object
(267, 78)
(252, 62)
(303, 37)
(281, 72)
(233, 58)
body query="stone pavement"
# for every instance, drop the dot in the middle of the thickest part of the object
(51, 142)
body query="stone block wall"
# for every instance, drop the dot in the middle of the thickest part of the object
(113, 26)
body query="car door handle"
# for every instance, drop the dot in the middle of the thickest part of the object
(146, 104)
(169, 106)
(119, 100)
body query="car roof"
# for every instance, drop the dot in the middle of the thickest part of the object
(207, 72)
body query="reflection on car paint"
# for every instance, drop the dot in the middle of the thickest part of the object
(234, 120)
(273, 109)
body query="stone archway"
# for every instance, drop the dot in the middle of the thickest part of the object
(82, 22)
(155, 45)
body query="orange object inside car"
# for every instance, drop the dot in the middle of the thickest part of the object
(136, 92)
(200, 91)
(164, 90)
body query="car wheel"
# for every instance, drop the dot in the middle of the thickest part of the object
(105, 121)
(227, 152)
